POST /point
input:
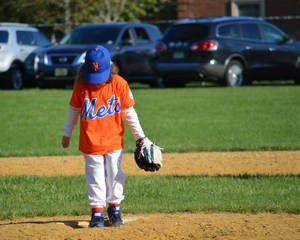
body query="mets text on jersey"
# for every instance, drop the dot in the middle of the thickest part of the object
(114, 106)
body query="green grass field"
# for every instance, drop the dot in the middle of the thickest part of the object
(180, 120)
(50, 196)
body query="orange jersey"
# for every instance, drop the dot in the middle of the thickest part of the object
(101, 124)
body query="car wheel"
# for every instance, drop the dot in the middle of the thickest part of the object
(234, 74)
(15, 77)
(158, 82)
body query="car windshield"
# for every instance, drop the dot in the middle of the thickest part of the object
(187, 32)
(85, 36)
(41, 39)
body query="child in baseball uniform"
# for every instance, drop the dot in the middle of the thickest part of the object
(100, 99)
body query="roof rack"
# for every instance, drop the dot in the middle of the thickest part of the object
(13, 24)
(213, 19)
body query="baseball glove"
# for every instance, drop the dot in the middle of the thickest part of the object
(148, 156)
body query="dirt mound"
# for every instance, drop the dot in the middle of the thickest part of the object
(162, 226)
(159, 226)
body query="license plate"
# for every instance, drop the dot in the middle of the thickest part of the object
(178, 55)
(61, 72)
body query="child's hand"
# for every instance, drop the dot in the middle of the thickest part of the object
(65, 141)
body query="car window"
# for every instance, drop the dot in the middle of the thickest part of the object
(186, 32)
(272, 34)
(40, 39)
(25, 38)
(141, 33)
(3, 36)
(250, 31)
(101, 35)
(230, 30)
(127, 37)
(154, 33)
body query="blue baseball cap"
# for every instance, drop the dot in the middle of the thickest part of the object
(97, 65)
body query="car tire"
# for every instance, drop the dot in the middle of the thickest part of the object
(15, 77)
(158, 82)
(234, 74)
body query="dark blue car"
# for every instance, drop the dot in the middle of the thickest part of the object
(131, 45)
(230, 50)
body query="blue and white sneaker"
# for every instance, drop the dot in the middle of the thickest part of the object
(114, 216)
(97, 219)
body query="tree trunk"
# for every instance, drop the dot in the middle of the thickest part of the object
(67, 17)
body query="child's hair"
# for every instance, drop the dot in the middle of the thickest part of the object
(113, 71)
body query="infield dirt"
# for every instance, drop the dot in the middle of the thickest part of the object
(163, 226)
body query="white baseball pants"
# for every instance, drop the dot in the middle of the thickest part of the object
(104, 178)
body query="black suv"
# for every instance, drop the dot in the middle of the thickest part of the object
(131, 45)
(230, 50)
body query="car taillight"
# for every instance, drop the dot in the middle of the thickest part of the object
(205, 46)
(160, 46)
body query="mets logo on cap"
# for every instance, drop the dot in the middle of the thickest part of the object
(97, 65)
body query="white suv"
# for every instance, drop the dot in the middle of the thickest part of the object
(17, 42)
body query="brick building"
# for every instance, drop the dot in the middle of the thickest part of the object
(283, 13)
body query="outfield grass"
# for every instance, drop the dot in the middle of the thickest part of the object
(180, 120)
(50, 196)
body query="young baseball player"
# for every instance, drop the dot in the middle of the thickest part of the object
(101, 98)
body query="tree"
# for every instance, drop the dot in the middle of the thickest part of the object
(66, 14)
(100, 10)
(150, 10)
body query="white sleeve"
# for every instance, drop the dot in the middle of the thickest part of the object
(132, 120)
(71, 121)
